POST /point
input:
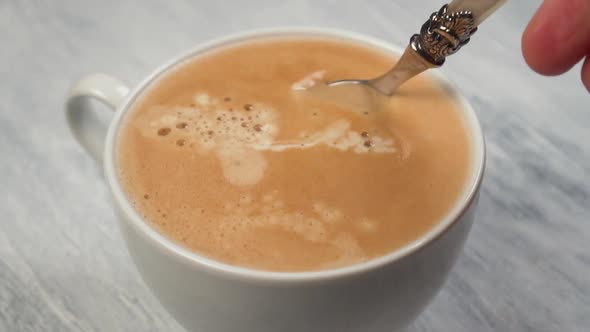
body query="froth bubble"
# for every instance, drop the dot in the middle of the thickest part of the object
(164, 131)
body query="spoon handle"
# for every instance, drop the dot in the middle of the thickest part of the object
(480, 9)
(445, 32)
(449, 29)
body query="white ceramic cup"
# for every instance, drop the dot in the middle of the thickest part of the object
(382, 294)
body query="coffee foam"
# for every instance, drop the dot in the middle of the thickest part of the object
(309, 80)
(338, 136)
(268, 212)
(239, 135)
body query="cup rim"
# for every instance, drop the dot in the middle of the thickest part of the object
(174, 250)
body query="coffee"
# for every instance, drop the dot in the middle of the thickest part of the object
(225, 156)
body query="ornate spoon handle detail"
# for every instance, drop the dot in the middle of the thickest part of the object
(443, 34)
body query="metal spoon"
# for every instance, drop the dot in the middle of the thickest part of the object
(445, 32)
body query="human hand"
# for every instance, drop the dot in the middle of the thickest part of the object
(558, 37)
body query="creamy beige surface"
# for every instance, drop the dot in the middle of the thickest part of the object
(224, 157)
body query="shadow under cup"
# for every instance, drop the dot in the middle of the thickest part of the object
(383, 294)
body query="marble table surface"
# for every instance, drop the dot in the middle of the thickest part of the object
(63, 263)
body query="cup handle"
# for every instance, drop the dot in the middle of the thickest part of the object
(88, 130)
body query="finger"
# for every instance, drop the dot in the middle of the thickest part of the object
(558, 36)
(586, 73)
